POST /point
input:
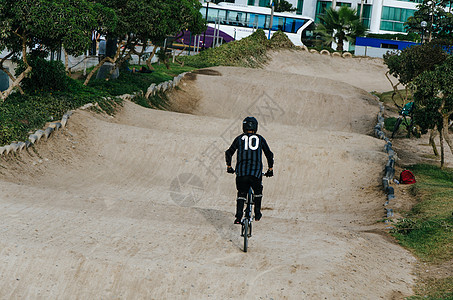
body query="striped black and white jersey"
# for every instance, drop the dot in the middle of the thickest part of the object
(250, 147)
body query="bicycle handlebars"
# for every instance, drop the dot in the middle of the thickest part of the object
(267, 174)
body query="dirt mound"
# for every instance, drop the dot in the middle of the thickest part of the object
(284, 98)
(365, 73)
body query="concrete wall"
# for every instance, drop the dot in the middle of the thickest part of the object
(78, 63)
(371, 51)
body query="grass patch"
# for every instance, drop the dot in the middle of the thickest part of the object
(428, 227)
(435, 289)
(389, 123)
(158, 101)
(386, 97)
(427, 230)
(129, 82)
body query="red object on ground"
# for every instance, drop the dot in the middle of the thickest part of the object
(407, 177)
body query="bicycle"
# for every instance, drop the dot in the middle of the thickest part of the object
(406, 117)
(246, 222)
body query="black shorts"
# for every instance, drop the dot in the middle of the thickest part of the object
(243, 183)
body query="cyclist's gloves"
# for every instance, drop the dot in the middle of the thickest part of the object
(230, 170)
(269, 173)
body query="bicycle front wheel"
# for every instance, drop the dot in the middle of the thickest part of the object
(246, 235)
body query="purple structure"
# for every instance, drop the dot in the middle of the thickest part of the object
(189, 39)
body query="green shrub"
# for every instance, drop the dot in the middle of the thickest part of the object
(280, 40)
(412, 37)
(45, 75)
(129, 83)
(247, 52)
(159, 101)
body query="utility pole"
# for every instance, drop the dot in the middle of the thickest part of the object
(204, 35)
(272, 19)
(361, 11)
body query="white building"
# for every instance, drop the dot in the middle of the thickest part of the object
(380, 16)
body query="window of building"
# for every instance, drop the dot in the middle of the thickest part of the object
(251, 2)
(300, 6)
(322, 6)
(389, 46)
(396, 13)
(264, 3)
(393, 18)
(415, 1)
(366, 14)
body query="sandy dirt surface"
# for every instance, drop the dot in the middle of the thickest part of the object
(139, 206)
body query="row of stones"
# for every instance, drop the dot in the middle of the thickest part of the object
(327, 52)
(164, 86)
(36, 137)
(389, 169)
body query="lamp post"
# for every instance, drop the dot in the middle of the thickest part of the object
(423, 24)
(204, 35)
(431, 11)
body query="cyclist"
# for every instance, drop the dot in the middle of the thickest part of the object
(249, 165)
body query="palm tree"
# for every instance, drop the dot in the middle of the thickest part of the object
(339, 25)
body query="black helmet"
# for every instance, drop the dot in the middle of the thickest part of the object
(250, 124)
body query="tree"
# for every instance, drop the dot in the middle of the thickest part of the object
(45, 25)
(434, 99)
(426, 70)
(144, 21)
(439, 21)
(410, 63)
(282, 6)
(406, 67)
(183, 15)
(339, 25)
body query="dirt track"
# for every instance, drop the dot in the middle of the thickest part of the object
(140, 206)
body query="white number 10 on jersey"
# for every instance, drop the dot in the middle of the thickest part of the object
(251, 142)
